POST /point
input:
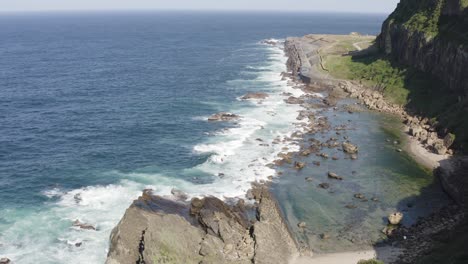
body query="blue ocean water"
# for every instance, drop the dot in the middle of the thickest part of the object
(95, 107)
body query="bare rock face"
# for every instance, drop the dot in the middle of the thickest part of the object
(156, 230)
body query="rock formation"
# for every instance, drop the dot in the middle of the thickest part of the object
(157, 230)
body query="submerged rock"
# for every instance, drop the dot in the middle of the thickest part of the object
(85, 226)
(324, 185)
(254, 96)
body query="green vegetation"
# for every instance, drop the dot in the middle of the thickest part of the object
(406, 86)
(370, 261)
(426, 16)
(419, 15)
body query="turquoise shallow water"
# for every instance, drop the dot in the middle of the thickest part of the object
(394, 178)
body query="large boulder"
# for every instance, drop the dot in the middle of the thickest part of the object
(395, 218)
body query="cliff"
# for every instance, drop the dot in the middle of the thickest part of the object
(431, 36)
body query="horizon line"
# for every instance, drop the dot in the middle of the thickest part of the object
(210, 10)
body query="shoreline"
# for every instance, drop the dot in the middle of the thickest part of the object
(154, 207)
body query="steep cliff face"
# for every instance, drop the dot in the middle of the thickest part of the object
(431, 36)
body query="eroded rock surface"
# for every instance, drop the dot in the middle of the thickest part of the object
(156, 230)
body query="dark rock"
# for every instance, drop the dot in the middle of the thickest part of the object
(223, 116)
(324, 185)
(5, 261)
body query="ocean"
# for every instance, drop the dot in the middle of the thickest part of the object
(97, 106)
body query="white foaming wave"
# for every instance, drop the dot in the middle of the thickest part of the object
(237, 155)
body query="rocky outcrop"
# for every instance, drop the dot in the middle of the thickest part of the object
(439, 49)
(157, 230)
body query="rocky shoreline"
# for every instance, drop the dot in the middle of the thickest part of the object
(421, 238)
(170, 230)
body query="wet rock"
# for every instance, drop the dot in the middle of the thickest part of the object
(294, 100)
(324, 185)
(335, 176)
(316, 163)
(351, 206)
(374, 199)
(223, 116)
(77, 198)
(395, 218)
(221, 175)
(5, 261)
(302, 225)
(272, 42)
(354, 157)
(349, 148)
(257, 96)
(77, 244)
(249, 195)
(335, 158)
(399, 150)
(195, 205)
(84, 226)
(299, 165)
(180, 195)
(309, 179)
(324, 236)
(306, 153)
